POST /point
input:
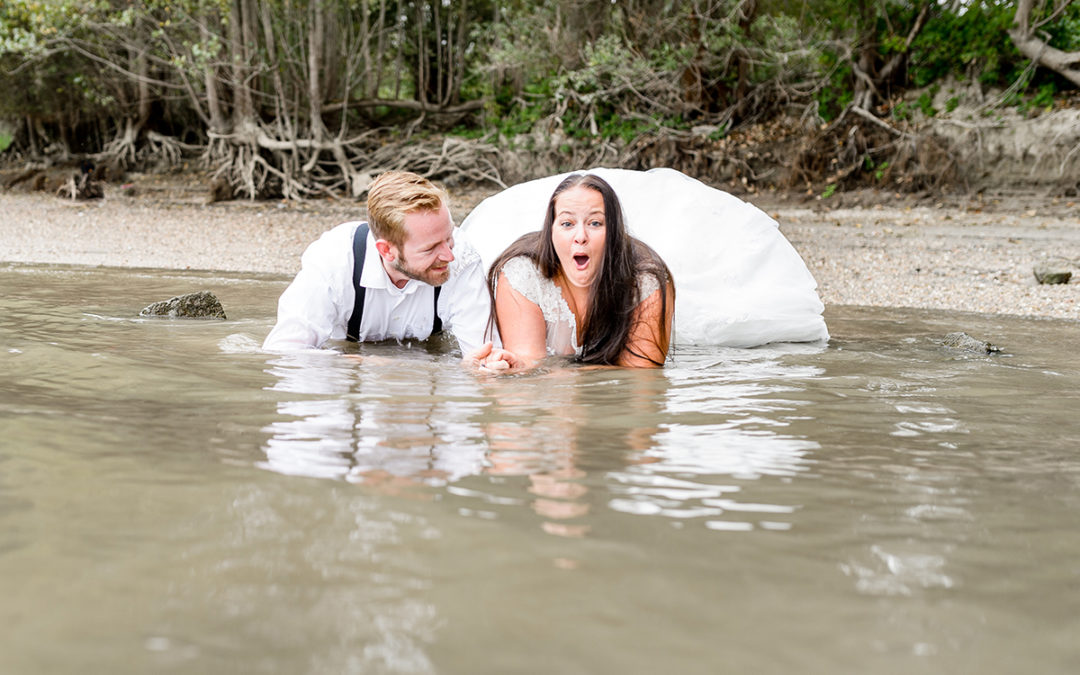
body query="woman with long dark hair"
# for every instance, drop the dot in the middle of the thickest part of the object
(581, 287)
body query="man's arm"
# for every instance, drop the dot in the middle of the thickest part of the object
(306, 315)
(468, 303)
(316, 305)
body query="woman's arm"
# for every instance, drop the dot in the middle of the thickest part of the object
(650, 333)
(521, 324)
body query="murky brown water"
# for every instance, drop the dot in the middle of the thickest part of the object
(173, 500)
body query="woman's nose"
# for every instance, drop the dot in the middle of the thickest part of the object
(581, 233)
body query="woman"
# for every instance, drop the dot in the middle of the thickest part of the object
(741, 282)
(582, 286)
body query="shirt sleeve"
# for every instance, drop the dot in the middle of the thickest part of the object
(317, 304)
(465, 305)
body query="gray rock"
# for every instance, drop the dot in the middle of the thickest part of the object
(966, 343)
(201, 305)
(1052, 274)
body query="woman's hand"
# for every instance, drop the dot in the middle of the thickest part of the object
(489, 359)
(502, 361)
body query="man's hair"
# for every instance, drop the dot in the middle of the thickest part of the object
(394, 194)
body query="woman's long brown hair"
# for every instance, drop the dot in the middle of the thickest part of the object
(613, 296)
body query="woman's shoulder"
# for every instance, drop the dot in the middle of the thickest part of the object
(650, 269)
(519, 265)
(524, 276)
(647, 283)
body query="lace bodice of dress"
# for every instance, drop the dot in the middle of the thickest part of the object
(525, 277)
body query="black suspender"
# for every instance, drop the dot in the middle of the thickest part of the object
(359, 247)
(436, 324)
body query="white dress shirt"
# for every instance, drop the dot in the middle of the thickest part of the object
(318, 303)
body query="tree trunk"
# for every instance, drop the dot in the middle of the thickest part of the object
(142, 67)
(218, 125)
(281, 103)
(742, 58)
(31, 138)
(316, 42)
(1066, 64)
(400, 56)
(459, 70)
(379, 51)
(243, 108)
(440, 64)
(421, 56)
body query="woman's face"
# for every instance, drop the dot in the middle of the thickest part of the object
(578, 234)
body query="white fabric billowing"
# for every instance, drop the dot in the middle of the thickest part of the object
(738, 281)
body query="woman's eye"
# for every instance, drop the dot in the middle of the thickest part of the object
(596, 223)
(566, 224)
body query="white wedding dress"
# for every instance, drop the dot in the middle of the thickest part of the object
(738, 281)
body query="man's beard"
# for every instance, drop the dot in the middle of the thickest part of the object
(401, 265)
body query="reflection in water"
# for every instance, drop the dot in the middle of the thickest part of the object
(720, 419)
(392, 421)
(652, 441)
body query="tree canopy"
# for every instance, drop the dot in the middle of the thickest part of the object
(306, 97)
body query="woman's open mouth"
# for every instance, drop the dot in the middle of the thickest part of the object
(581, 260)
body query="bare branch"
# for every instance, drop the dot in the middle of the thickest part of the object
(1023, 36)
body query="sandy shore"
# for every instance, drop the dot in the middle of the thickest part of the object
(963, 255)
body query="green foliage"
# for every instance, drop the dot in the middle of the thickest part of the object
(40, 80)
(925, 102)
(970, 43)
(1045, 96)
(1041, 99)
(1064, 33)
(878, 170)
(837, 93)
(5, 141)
(596, 70)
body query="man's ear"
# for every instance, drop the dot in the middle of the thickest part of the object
(387, 250)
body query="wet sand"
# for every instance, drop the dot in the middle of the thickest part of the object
(969, 254)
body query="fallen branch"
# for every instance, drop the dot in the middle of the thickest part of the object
(866, 114)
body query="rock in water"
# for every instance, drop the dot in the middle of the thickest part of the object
(201, 305)
(1051, 274)
(966, 343)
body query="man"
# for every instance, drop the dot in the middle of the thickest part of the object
(413, 279)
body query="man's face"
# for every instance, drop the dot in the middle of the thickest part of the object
(428, 249)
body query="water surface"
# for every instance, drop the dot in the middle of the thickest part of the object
(174, 500)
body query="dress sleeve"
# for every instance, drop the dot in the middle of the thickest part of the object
(524, 276)
(647, 284)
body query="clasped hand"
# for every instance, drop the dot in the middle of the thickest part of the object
(489, 359)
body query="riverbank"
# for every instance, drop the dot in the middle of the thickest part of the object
(967, 254)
